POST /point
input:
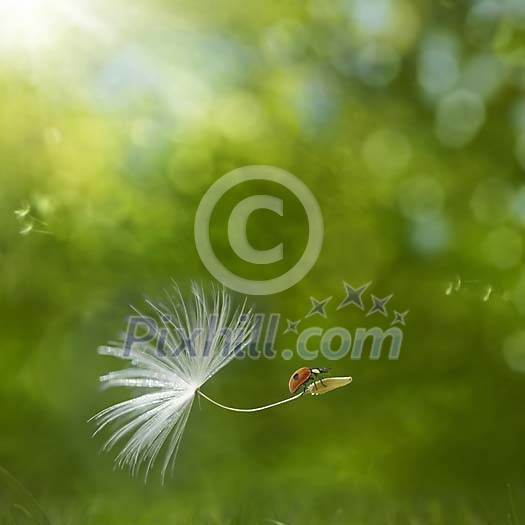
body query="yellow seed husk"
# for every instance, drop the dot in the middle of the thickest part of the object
(330, 383)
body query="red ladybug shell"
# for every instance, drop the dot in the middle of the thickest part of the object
(298, 378)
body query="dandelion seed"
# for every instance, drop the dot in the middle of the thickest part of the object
(190, 344)
(27, 228)
(23, 211)
(28, 222)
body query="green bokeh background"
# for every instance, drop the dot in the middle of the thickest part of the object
(405, 118)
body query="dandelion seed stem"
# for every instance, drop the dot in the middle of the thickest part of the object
(256, 409)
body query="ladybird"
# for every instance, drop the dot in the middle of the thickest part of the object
(303, 375)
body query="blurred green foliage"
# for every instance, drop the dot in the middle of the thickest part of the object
(406, 118)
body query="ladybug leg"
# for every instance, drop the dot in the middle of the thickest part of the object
(317, 377)
(306, 383)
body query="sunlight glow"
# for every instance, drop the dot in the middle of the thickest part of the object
(33, 26)
(27, 24)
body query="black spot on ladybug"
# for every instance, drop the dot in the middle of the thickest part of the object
(296, 377)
